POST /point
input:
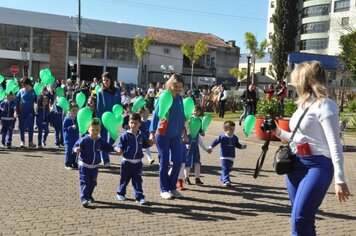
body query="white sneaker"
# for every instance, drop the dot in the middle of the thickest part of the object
(121, 197)
(22, 144)
(176, 194)
(142, 201)
(107, 164)
(166, 195)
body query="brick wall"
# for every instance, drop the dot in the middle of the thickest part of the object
(57, 59)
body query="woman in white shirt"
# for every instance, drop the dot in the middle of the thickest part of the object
(317, 146)
(222, 100)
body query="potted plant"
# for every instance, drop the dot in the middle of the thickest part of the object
(265, 108)
(290, 106)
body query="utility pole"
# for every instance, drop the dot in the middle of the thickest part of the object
(78, 43)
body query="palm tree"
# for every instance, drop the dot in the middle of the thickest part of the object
(141, 49)
(238, 74)
(255, 50)
(194, 53)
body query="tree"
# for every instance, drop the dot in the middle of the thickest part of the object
(141, 49)
(194, 53)
(348, 53)
(285, 23)
(238, 74)
(255, 50)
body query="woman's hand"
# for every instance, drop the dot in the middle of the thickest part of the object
(342, 192)
(152, 138)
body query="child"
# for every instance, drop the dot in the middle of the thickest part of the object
(42, 120)
(88, 149)
(56, 119)
(130, 146)
(145, 130)
(91, 104)
(7, 108)
(228, 142)
(70, 135)
(180, 185)
(126, 118)
(193, 155)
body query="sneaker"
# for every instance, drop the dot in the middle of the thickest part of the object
(31, 145)
(227, 184)
(85, 203)
(142, 201)
(187, 181)
(107, 165)
(3, 145)
(91, 200)
(22, 144)
(69, 168)
(152, 161)
(121, 197)
(75, 166)
(8, 146)
(39, 147)
(180, 184)
(176, 194)
(198, 181)
(44, 144)
(166, 195)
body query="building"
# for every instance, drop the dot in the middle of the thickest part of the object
(36, 41)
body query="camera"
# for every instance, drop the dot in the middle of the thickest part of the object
(268, 124)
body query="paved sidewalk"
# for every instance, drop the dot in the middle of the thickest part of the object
(40, 197)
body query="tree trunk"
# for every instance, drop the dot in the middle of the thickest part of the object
(191, 77)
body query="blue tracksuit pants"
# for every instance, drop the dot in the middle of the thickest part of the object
(169, 148)
(88, 179)
(226, 166)
(104, 134)
(131, 171)
(26, 121)
(42, 132)
(70, 158)
(58, 133)
(6, 131)
(307, 186)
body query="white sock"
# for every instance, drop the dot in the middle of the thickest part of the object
(197, 170)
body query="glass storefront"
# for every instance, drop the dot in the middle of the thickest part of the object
(121, 49)
(14, 37)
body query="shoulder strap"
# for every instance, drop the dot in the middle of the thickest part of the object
(299, 121)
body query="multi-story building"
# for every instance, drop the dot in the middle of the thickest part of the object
(35, 41)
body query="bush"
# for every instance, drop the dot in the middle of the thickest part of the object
(268, 108)
(353, 121)
(290, 106)
(351, 106)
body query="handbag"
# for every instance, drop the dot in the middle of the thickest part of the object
(283, 159)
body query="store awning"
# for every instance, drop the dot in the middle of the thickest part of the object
(329, 62)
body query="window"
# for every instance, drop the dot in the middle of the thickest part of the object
(345, 21)
(121, 49)
(270, 35)
(272, 4)
(213, 62)
(208, 61)
(319, 10)
(316, 27)
(166, 50)
(263, 71)
(14, 37)
(41, 41)
(271, 20)
(343, 5)
(313, 44)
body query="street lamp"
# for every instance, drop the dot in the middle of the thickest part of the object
(248, 73)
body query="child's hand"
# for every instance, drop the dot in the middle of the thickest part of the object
(149, 143)
(77, 150)
(202, 134)
(188, 146)
(185, 137)
(152, 138)
(118, 151)
(243, 146)
(74, 126)
(209, 150)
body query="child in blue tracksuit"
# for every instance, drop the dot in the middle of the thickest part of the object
(228, 142)
(7, 108)
(88, 149)
(56, 118)
(70, 135)
(42, 120)
(130, 146)
(25, 101)
(145, 130)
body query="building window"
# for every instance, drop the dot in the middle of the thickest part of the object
(121, 49)
(208, 61)
(313, 44)
(166, 50)
(272, 4)
(41, 41)
(271, 20)
(316, 27)
(263, 71)
(14, 37)
(92, 46)
(345, 21)
(343, 5)
(319, 10)
(270, 35)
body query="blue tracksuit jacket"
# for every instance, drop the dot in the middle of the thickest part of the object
(42, 118)
(227, 145)
(56, 116)
(70, 135)
(106, 101)
(7, 109)
(89, 155)
(131, 145)
(25, 101)
(145, 129)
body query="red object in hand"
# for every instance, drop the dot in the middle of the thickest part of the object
(304, 149)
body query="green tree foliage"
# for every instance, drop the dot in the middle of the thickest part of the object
(256, 51)
(348, 52)
(194, 53)
(238, 74)
(141, 49)
(285, 23)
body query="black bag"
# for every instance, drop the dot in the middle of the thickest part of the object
(283, 160)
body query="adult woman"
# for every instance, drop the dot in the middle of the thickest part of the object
(107, 97)
(222, 98)
(168, 133)
(317, 146)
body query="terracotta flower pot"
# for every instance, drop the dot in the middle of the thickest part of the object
(283, 123)
(259, 133)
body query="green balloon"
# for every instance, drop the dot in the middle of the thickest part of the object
(38, 88)
(139, 103)
(120, 120)
(165, 102)
(10, 85)
(249, 124)
(111, 124)
(80, 99)
(194, 126)
(2, 94)
(117, 110)
(63, 103)
(31, 78)
(1, 78)
(97, 89)
(206, 122)
(188, 105)
(84, 118)
(59, 92)
(44, 73)
(48, 79)
(15, 89)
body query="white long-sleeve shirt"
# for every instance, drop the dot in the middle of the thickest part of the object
(320, 129)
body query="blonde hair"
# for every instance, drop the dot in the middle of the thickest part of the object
(175, 78)
(309, 79)
(95, 122)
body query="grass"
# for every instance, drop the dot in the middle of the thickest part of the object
(228, 115)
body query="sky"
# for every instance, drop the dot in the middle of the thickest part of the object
(227, 19)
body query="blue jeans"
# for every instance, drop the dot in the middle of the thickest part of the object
(307, 186)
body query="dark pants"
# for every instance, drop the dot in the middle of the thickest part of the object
(221, 108)
(42, 132)
(88, 179)
(307, 186)
(71, 157)
(226, 166)
(131, 171)
(26, 121)
(104, 134)
(58, 133)
(6, 131)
